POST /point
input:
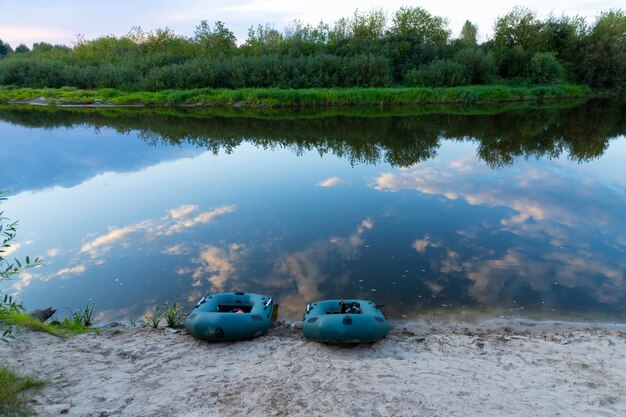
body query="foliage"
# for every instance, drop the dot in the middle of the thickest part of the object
(479, 67)
(82, 316)
(7, 269)
(22, 49)
(397, 135)
(215, 42)
(443, 73)
(5, 49)
(173, 315)
(12, 389)
(469, 33)
(420, 24)
(154, 319)
(545, 69)
(314, 97)
(366, 49)
(63, 329)
(368, 25)
(7, 306)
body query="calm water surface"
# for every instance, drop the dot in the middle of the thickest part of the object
(462, 214)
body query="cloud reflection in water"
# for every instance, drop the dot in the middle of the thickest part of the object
(569, 239)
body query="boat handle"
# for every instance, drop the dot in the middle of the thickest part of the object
(202, 301)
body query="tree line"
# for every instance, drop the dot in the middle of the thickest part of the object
(582, 133)
(368, 49)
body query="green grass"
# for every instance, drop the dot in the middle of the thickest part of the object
(319, 97)
(64, 329)
(12, 390)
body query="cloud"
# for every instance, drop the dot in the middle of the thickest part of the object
(348, 246)
(103, 243)
(217, 265)
(463, 165)
(11, 249)
(366, 224)
(75, 270)
(330, 182)
(421, 245)
(567, 237)
(182, 211)
(185, 223)
(175, 222)
(23, 280)
(53, 252)
(306, 270)
(178, 249)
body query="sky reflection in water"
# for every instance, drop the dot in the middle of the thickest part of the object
(129, 225)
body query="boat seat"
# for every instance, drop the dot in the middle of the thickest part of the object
(227, 308)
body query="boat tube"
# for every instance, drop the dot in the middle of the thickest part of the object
(344, 321)
(230, 316)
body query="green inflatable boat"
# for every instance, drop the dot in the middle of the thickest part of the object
(230, 316)
(344, 321)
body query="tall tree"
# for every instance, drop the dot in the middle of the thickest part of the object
(519, 27)
(369, 25)
(517, 36)
(22, 49)
(5, 49)
(603, 55)
(217, 41)
(469, 33)
(418, 23)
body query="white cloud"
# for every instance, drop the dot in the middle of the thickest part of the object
(175, 222)
(11, 249)
(53, 252)
(103, 243)
(421, 245)
(178, 249)
(216, 266)
(306, 269)
(23, 280)
(182, 211)
(75, 270)
(330, 182)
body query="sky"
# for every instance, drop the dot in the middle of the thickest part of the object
(29, 21)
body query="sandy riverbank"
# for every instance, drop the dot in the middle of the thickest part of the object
(512, 368)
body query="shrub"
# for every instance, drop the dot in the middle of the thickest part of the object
(32, 72)
(441, 73)
(545, 69)
(480, 68)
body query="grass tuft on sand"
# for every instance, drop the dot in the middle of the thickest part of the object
(12, 389)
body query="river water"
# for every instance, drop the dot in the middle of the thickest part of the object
(437, 212)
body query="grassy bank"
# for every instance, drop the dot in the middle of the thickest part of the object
(12, 390)
(63, 329)
(270, 97)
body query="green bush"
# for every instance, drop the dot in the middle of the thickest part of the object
(545, 69)
(441, 73)
(33, 72)
(479, 67)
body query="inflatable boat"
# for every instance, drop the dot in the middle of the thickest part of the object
(230, 316)
(344, 321)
